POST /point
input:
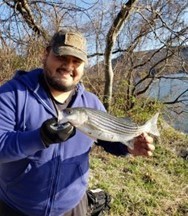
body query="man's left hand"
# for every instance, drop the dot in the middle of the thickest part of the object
(143, 146)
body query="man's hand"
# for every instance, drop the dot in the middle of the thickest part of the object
(52, 133)
(143, 146)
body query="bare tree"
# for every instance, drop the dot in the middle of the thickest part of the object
(26, 26)
(136, 42)
(22, 19)
(110, 40)
(161, 24)
(148, 44)
(23, 8)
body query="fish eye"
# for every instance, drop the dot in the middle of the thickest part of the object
(69, 111)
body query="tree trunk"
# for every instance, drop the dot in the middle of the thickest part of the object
(110, 40)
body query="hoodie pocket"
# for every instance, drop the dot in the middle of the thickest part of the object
(32, 185)
(73, 170)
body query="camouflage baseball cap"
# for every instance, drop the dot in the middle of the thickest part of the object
(69, 42)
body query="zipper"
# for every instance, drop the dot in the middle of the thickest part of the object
(56, 163)
(56, 179)
(53, 182)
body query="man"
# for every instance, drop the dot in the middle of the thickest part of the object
(44, 170)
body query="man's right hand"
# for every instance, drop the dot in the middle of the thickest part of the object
(52, 133)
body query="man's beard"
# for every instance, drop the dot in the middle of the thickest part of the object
(56, 83)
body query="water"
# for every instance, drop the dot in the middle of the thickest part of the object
(173, 88)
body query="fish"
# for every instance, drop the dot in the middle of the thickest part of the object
(101, 125)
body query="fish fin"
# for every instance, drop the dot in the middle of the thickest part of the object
(151, 125)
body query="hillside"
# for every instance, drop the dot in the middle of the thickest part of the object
(145, 186)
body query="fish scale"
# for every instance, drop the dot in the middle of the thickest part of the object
(101, 125)
(104, 119)
(109, 118)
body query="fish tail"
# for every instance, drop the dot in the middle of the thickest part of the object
(151, 125)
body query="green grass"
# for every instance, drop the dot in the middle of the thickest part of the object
(145, 186)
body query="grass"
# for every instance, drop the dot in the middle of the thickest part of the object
(145, 186)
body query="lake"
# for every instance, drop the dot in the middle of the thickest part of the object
(168, 89)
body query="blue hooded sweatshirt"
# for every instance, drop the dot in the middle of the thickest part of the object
(36, 180)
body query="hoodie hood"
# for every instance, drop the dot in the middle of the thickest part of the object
(33, 79)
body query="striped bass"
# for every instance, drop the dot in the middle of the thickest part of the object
(103, 126)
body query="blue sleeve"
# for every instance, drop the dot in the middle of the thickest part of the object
(15, 144)
(115, 148)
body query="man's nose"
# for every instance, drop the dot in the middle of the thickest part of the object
(68, 64)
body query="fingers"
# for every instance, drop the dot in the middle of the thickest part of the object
(150, 147)
(148, 138)
(147, 153)
(142, 152)
(145, 138)
(148, 144)
(143, 145)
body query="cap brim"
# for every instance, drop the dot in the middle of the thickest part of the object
(65, 50)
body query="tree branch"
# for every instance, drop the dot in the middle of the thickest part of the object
(24, 10)
(177, 100)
